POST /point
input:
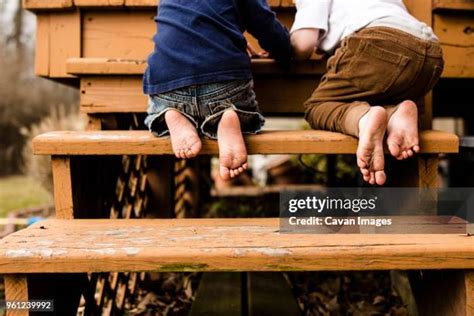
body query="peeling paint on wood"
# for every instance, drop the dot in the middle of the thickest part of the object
(219, 245)
(264, 251)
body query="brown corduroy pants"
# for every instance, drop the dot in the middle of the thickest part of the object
(377, 66)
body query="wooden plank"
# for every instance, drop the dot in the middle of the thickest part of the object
(118, 34)
(465, 5)
(457, 42)
(42, 45)
(458, 62)
(265, 302)
(455, 29)
(112, 66)
(99, 3)
(47, 5)
(127, 34)
(16, 289)
(221, 245)
(63, 4)
(270, 142)
(123, 94)
(421, 9)
(65, 41)
(218, 294)
(63, 199)
(142, 3)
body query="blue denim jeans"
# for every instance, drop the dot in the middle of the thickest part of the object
(204, 105)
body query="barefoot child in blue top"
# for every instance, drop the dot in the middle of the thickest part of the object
(199, 77)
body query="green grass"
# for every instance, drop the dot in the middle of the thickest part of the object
(18, 192)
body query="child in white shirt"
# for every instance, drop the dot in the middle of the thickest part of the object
(383, 60)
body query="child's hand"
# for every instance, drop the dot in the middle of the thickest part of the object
(254, 54)
(304, 43)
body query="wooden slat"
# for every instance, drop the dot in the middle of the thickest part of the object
(273, 142)
(63, 199)
(219, 245)
(457, 42)
(464, 5)
(100, 3)
(124, 94)
(458, 62)
(128, 34)
(16, 289)
(47, 5)
(112, 66)
(63, 4)
(65, 41)
(42, 45)
(118, 34)
(454, 29)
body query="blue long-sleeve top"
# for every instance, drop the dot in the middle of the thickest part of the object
(201, 41)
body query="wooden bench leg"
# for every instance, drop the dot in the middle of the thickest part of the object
(427, 171)
(63, 198)
(421, 172)
(16, 289)
(442, 293)
(469, 281)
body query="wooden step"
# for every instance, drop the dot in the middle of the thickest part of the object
(113, 66)
(70, 4)
(277, 95)
(107, 245)
(115, 85)
(97, 33)
(90, 29)
(271, 142)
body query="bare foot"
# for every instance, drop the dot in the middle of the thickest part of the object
(184, 137)
(402, 131)
(370, 155)
(232, 151)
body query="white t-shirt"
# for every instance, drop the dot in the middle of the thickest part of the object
(340, 18)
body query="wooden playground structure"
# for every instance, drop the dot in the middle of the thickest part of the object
(108, 178)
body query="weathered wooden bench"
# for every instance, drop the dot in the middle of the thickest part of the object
(87, 246)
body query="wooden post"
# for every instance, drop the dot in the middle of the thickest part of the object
(428, 171)
(16, 289)
(63, 194)
(418, 172)
(442, 293)
(469, 281)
